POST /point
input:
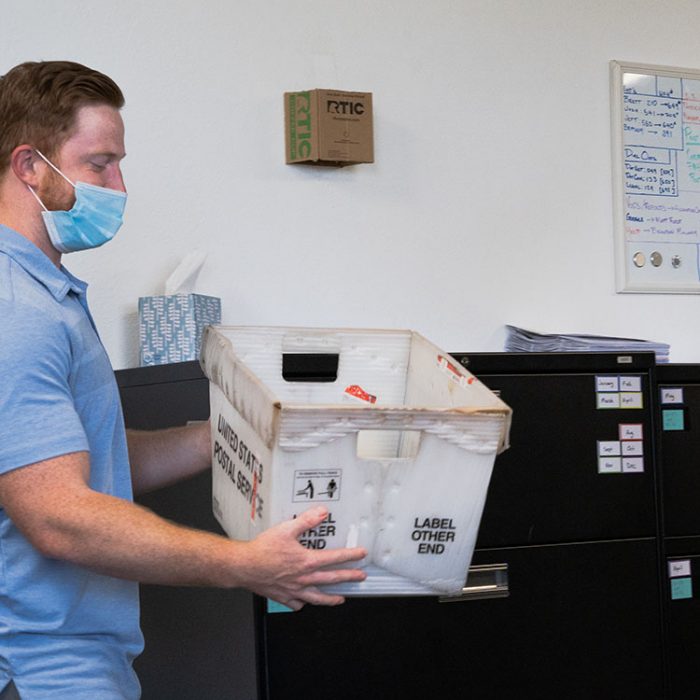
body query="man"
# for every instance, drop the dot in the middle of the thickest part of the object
(72, 542)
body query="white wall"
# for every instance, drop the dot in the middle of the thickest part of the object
(490, 200)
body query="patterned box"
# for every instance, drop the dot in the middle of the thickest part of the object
(171, 326)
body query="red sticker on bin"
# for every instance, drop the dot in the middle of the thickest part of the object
(359, 393)
(255, 493)
(447, 366)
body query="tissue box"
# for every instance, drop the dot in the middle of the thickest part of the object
(399, 448)
(171, 326)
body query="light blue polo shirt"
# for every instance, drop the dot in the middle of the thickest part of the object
(65, 631)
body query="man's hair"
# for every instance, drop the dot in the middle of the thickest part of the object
(39, 102)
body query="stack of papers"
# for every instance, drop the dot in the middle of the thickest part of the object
(521, 340)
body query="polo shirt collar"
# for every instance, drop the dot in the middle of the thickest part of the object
(58, 281)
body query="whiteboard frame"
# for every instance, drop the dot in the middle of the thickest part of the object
(617, 69)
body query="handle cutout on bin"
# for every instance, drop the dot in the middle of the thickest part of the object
(309, 367)
(388, 444)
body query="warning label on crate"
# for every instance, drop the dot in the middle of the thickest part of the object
(315, 485)
(432, 534)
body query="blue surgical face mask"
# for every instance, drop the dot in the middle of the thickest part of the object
(93, 220)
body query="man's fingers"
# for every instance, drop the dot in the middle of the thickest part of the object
(333, 557)
(308, 594)
(326, 578)
(308, 519)
(311, 518)
(312, 595)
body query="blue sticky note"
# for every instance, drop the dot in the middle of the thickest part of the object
(681, 588)
(274, 607)
(673, 419)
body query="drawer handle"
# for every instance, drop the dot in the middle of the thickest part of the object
(484, 581)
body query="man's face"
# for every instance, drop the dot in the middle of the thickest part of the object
(92, 154)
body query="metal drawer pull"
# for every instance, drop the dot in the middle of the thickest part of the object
(484, 581)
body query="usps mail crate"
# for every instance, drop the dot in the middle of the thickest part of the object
(399, 448)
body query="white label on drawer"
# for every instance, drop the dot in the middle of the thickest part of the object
(671, 395)
(608, 400)
(634, 399)
(630, 431)
(679, 568)
(607, 384)
(630, 383)
(632, 448)
(609, 448)
(633, 465)
(609, 465)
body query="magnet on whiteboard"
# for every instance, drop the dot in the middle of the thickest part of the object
(638, 259)
(656, 259)
(676, 262)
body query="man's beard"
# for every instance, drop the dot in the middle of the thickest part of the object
(55, 193)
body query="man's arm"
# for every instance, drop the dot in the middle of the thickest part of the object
(52, 505)
(162, 457)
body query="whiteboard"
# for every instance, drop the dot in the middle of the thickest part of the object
(656, 177)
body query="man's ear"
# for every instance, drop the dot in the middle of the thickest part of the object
(23, 162)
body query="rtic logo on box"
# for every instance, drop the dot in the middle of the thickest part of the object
(344, 107)
(300, 126)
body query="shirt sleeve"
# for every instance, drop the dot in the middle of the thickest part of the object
(38, 418)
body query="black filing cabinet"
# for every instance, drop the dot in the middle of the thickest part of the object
(571, 527)
(679, 420)
(571, 512)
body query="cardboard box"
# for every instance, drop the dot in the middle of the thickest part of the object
(328, 127)
(171, 326)
(399, 448)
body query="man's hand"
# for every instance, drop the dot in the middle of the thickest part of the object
(278, 567)
(51, 503)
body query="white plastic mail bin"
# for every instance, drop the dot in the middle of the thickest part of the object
(399, 448)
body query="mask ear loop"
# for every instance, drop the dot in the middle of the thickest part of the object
(36, 196)
(48, 162)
